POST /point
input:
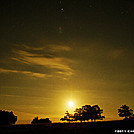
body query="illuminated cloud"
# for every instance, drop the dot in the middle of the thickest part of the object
(7, 71)
(60, 65)
(54, 63)
(28, 73)
(25, 53)
(48, 48)
(58, 48)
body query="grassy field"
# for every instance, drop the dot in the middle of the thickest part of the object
(108, 127)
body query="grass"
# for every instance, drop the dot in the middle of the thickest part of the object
(108, 127)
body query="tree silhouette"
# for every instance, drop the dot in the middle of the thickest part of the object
(131, 117)
(96, 113)
(85, 113)
(7, 117)
(88, 112)
(68, 117)
(124, 111)
(78, 115)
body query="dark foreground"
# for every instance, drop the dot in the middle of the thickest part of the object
(108, 127)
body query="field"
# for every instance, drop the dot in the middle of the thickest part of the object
(108, 127)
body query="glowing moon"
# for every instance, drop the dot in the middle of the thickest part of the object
(71, 104)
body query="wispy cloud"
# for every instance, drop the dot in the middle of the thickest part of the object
(48, 48)
(7, 71)
(60, 65)
(28, 73)
(22, 96)
(58, 48)
(25, 53)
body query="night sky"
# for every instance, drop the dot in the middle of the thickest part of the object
(53, 51)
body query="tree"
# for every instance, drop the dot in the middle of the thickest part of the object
(96, 113)
(68, 117)
(78, 115)
(88, 112)
(7, 117)
(83, 113)
(131, 117)
(124, 111)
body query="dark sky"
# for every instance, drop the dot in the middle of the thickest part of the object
(52, 51)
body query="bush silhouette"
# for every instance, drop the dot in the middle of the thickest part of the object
(36, 120)
(7, 117)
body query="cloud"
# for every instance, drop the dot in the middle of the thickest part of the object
(55, 63)
(28, 73)
(38, 75)
(7, 71)
(48, 48)
(58, 48)
(25, 53)
(60, 64)
(22, 96)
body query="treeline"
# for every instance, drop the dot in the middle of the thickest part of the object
(93, 113)
(85, 113)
